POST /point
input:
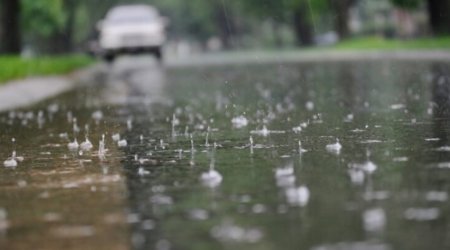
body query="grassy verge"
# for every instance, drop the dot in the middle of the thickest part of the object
(368, 43)
(14, 67)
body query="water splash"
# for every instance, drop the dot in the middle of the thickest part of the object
(97, 116)
(129, 124)
(115, 137)
(101, 148)
(228, 232)
(300, 149)
(239, 121)
(86, 145)
(374, 220)
(297, 196)
(192, 144)
(334, 147)
(122, 143)
(211, 178)
(207, 137)
(12, 161)
(73, 146)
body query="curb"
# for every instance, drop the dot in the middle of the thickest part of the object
(24, 92)
(250, 57)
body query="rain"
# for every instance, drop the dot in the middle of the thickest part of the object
(229, 149)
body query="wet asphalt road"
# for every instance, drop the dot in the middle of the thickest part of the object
(234, 157)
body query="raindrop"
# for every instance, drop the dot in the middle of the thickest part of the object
(115, 137)
(436, 196)
(97, 116)
(297, 196)
(349, 118)
(101, 148)
(297, 129)
(300, 149)
(4, 224)
(198, 214)
(356, 176)
(239, 121)
(122, 143)
(207, 137)
(309, 105)
(75, 127)
(228, 232)
(422, 214)
(334, 148)
(73, 146)
(143, 172)
(86, 145)
(129, 124)
(63, 135)
(211, 178)
(263, 132)
(279, 172)
(374, 220)
(192, 144)
(259, 209)
(10, 163)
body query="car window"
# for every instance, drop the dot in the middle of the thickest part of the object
(131, 14)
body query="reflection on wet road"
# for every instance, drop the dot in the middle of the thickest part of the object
(351, 155)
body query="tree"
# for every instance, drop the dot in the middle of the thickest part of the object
(341, 10)
(11, 26)
(302, 23)
(407, 4)
(297, 13)
(438, 11)
(225, 23)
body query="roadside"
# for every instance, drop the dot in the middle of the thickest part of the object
(366, 48)
(380, 43)
(16, 67)
(306, 56)
(24, 92)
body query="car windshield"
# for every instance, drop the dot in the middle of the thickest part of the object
(131, 14)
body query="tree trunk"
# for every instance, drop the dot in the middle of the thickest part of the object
(278, 36)
(341, 8)
(439, 17)
(302, 26)
(62, 40)
(70, 6)
(11, 40)
(225, 24)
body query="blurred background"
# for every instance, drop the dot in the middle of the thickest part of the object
(211, 157)
(43, 27)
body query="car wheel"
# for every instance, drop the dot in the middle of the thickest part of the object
(109, 58)
(158, 54)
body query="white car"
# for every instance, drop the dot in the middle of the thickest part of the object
(132, 29)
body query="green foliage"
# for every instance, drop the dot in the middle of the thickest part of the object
(14, 67)
(194, 18)
(279, 8)
(407, 4)
(393, 44)
(42, 17)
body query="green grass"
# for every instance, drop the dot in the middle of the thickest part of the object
(368, 43)
(14, 67)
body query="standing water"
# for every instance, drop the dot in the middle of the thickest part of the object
(276, 178)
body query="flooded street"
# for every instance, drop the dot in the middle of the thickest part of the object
(310, 155)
